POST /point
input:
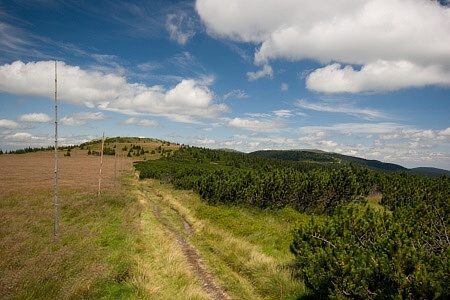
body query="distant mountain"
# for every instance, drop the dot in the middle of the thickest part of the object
(230, 150)
(431, 172)
(329, 158)
(322, 157)
(376, 164)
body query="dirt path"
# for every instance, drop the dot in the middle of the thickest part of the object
(209, 283)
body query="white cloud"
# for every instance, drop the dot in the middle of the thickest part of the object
(72, 121)
(380, 76)
(256, 125)
(235, 94)
(180, 27)
(187, 101)
(130, 121)
(349, 32)
(337, 107)
(351, 128)
(81, 118)
(445, 132)
(204, 141)
(284, 87)
(283, 113)
(141, 122)
(146, 122)
(413, 135)
(18, 136)
(9, 124)
(21, 140)
(265, 72)
(35, 117)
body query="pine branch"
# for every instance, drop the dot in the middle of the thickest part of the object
(317, 236)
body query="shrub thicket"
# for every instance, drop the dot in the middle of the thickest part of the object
(353, 251)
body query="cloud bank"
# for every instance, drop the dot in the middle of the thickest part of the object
(190, 100)
(395, 43)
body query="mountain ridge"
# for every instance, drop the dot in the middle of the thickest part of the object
(323, 157)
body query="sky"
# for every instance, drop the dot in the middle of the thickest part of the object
(368, 78)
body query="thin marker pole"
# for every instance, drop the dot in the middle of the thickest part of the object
(56, 154)
(101, 163)
(115, 163)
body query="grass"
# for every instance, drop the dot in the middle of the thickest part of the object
(89, 258)
(161, 271)
(247, 249)
(113, 246)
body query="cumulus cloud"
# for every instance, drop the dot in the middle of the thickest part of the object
(379, 36)
(204, 141)
(187, 101)
(9, 124)
(146, 122)
(380, 76)
(266, 71)
(256, 125)
(141, 122)
(19, 136)
(81, 118)
(35, 117)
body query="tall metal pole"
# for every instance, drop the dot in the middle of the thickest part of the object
(101, 163)
(56, 154)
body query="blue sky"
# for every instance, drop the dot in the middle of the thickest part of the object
(369, 78)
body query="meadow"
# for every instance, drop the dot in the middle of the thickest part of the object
(89, 256)
(115, 245)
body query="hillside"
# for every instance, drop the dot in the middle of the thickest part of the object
(329, 158)
(316, 156)
(432, 172)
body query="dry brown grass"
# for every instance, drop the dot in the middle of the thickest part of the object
(35, 171)
(89, 253)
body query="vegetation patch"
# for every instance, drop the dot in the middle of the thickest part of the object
(362, 234)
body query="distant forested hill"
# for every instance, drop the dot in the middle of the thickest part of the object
(327, 158)
(432, 172)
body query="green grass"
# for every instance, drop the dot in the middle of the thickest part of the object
(113, 246)
(248, 249)
(161, 271)
(89, 259)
